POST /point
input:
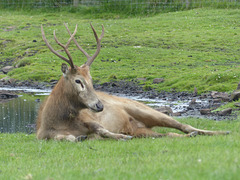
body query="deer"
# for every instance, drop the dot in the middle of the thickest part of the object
(74, 110)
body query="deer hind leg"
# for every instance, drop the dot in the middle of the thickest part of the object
(150, 118)
(146, 132)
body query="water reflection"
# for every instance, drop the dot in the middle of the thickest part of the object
(18, 115)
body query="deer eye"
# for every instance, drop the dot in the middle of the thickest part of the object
(79, 82)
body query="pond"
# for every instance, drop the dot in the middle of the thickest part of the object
(19, 114)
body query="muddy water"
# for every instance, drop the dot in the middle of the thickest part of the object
(19, 114)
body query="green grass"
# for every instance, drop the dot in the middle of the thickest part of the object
(195, 48)
(202, 157)
(123, 8)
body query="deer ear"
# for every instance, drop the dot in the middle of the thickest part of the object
(64, 69)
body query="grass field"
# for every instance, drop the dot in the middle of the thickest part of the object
(196, 48)
(202, 157)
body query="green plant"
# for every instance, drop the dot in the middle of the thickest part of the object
(22, 156)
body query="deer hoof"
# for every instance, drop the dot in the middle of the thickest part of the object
(125, 138)
(193, 134)
(81, 138)
(129, 137)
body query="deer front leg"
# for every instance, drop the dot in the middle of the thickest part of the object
(70, 138)
(94, 127)
(59, 136)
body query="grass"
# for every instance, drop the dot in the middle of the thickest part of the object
(196, 48)
(126, 7)
(202, 157)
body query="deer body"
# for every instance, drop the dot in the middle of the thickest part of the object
(74, 109)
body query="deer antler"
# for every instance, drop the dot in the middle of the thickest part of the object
(90, 59)
(65, 47)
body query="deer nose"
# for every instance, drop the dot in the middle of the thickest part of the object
(99, 106)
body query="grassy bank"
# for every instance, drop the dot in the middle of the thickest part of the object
(196, 48)
(202, 157)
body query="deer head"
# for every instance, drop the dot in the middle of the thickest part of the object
(77, 82)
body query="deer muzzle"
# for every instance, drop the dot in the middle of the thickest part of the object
(98, 107)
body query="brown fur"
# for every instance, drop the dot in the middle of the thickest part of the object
(65, 116)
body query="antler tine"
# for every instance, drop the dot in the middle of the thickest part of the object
(90, 59)
(79, 47)
(89, 62)
(69, 61)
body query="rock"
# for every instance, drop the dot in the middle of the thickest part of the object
(53, 82)
(193, 101)
(158, 80)
(37, 100)
(235, 96)
(225, 112)
(237, 104)
(6, 95)
(217, 101)
(141, 79)
(177, 114)
(6, 69)
(220, 95)
(165, 109)
(238, 87)
(195, 92)
(4, 79)
(11, 81)
(205, 111)
(6, 42)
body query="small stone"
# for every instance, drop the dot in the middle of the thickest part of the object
(235, 96)
(225, 112)
(205, 111)
(165, 109)
(6, 95)
(158, 80)
(220, 95)
(177, 114)
(193, 101)
(11, 81)
(195, 92)
(6, 69)
(141, 79)
(238, 87)
(237, 104)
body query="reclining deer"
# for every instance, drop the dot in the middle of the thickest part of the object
(74, 109)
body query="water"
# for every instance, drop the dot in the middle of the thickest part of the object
(19, 114)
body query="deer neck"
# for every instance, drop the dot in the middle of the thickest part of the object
(68, 105)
